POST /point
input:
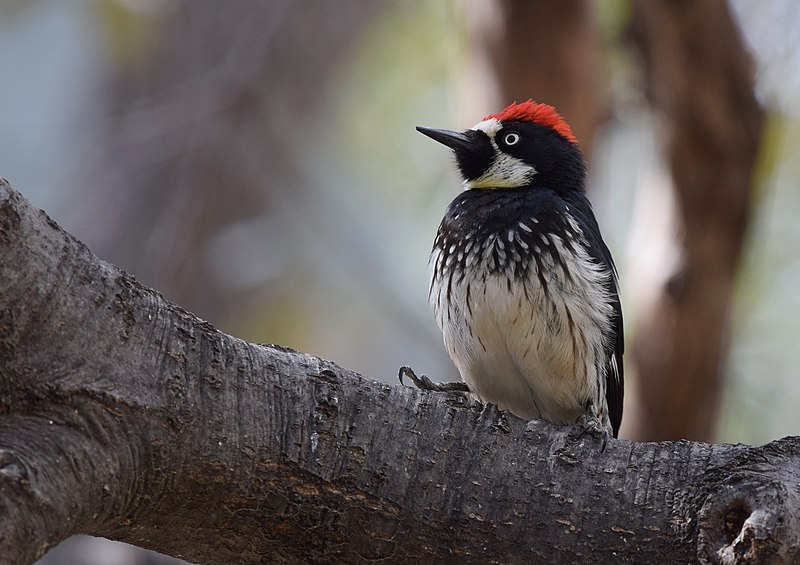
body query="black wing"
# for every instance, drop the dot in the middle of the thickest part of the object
(615, 378)
(615, 345)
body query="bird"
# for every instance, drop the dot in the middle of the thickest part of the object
(523, 287)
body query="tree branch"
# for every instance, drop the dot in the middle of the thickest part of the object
(124, 416)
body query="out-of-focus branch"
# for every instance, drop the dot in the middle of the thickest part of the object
(699, 79)
(226, 79)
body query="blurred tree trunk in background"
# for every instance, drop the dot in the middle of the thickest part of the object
(699, 79)
(547, 50)
(228, 91)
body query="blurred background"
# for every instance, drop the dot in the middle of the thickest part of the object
(256, 162)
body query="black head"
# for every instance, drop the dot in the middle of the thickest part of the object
(524, 145)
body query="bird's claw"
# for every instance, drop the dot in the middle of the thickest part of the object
(424, 383)
(587, 423)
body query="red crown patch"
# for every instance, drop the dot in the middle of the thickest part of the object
(534, 112)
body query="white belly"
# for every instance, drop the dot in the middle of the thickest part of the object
(537, 353)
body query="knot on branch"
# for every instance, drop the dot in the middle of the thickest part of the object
(749, 518)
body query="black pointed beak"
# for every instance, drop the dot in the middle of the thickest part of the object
(452, 139)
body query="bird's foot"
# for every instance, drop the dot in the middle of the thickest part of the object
(424, 383)
(588, 423)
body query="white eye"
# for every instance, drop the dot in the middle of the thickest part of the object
(511, 139)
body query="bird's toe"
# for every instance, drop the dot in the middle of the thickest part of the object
(424, 383)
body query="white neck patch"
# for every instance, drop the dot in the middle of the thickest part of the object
(506, 171)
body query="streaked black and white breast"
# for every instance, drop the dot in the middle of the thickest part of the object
(526, 301)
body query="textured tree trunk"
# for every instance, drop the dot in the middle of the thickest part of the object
(699, 79)
(124, 416)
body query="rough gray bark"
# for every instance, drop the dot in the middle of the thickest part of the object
(124, 416)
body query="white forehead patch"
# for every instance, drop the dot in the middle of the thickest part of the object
(490, 127)
(506, 171)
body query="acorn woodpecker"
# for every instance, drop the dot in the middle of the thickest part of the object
(523, 287)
